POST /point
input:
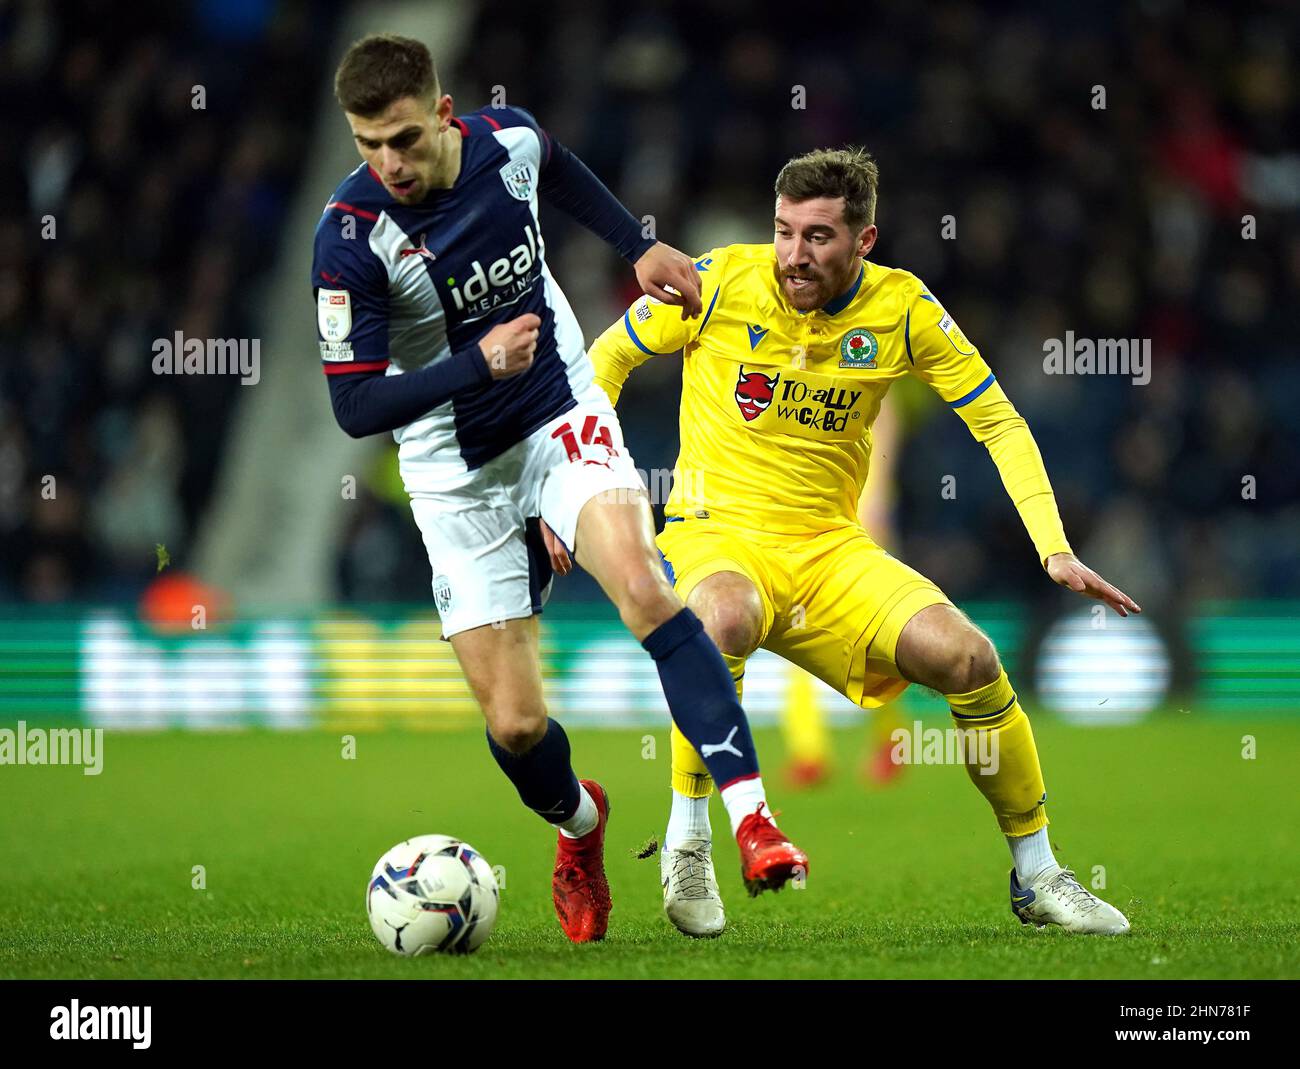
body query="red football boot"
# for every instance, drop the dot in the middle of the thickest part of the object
(578, 885)
(767, 858)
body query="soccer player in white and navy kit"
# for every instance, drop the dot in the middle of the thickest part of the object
(440, 322)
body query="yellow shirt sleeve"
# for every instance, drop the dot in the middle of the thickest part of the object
(651, 328)
(943, 357)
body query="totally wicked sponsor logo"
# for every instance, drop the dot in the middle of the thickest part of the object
(827, 408)
(754, 392)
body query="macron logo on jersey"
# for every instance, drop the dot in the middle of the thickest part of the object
(503, 282)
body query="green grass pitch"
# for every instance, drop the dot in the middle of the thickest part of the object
(1201, 849)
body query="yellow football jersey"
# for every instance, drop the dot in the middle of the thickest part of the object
(777, 404)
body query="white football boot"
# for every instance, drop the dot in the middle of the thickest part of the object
(691, 897)
(1055, 896)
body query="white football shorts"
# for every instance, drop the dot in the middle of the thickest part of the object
(483, 538)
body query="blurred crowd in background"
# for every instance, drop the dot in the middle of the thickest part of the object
(147, 156)
(1122, 221)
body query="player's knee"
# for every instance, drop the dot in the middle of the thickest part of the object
(645, 599)
(732, 626)
(974, 663)
(514, 729)
(519, 736)
(732, 612)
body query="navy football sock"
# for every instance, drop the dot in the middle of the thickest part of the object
(543, 775)
(702, 697)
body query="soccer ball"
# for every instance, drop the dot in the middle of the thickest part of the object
(432, 893)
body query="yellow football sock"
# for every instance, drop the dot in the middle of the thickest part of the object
(803, 722)
(690, 775)
(1002, 739)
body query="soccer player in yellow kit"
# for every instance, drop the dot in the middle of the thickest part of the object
(782, 378)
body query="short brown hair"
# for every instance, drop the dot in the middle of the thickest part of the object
(381, 68)
(850, 173)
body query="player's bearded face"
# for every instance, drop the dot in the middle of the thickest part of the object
(405, 146)
(817, 254)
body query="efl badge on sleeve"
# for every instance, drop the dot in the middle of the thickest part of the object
(518, 177)
(858, 349)
(334, 314)
(953, 333)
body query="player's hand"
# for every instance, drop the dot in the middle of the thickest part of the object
(561, 562)
(508, 347)
(1069, 571)
(660, 267)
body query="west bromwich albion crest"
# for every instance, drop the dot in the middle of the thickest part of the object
(518, 177)
(442, 593)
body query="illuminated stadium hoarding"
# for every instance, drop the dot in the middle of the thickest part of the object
(386, 666)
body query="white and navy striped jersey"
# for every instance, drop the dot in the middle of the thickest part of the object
(402, 288)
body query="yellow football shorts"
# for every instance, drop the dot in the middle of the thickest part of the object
(834, 603)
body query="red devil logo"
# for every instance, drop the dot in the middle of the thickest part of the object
(754, 393)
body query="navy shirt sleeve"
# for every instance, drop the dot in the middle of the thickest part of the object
(351, 289)
(374, 403)
(568, 183)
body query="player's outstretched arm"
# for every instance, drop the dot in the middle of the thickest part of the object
(670, 276)
(565, 181)
(947, 360)
(1067, 570)
(647, 328)
(993, 420)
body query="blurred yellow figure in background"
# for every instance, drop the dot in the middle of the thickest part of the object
(804, 726)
